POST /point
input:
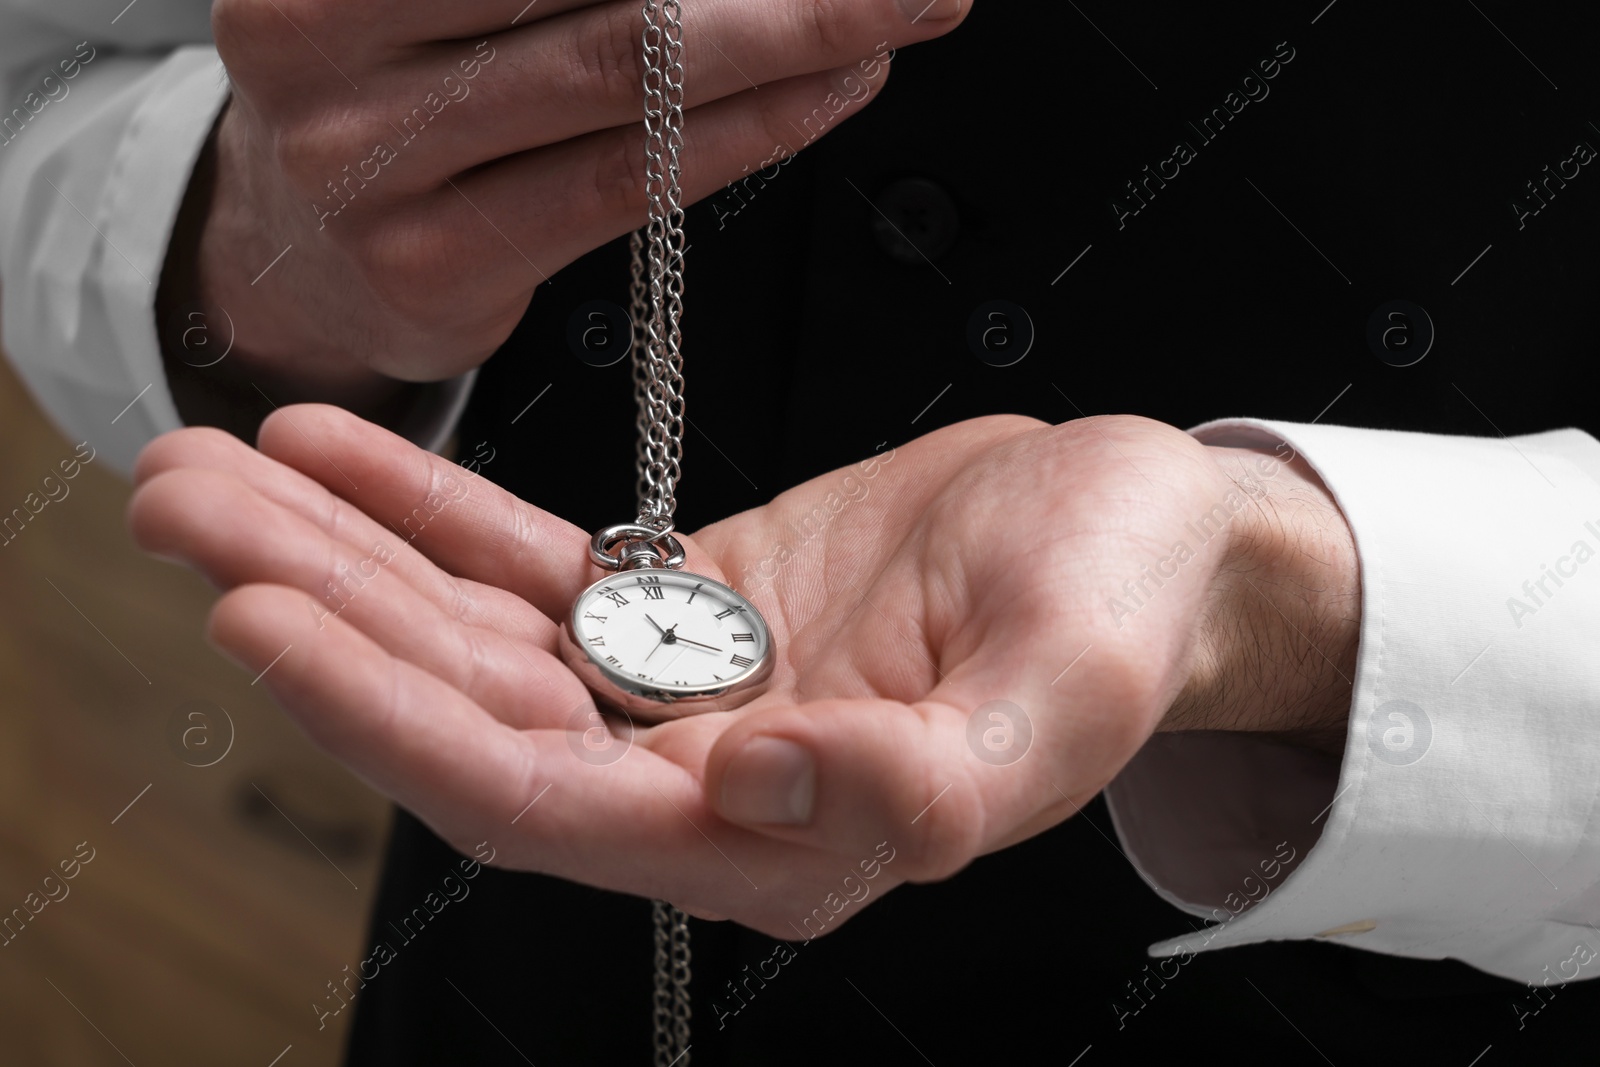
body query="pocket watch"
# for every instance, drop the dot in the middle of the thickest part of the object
(662, 643)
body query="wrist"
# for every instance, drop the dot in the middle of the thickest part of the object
(236, 335)
(1276, 648)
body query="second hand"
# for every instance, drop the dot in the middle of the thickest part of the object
(670, 662)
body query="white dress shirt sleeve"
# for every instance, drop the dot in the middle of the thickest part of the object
(101, 121)
(1461, 819)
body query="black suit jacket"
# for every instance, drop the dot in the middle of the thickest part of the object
(1171, 232)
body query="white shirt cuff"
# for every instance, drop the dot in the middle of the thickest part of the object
(89, 203)
(1460, 821)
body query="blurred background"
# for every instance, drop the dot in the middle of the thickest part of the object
(233, 863)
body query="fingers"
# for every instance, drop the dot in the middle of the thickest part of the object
(569, 76)
(596, 184)
(802, 22)
(444, 22)
(637, 824)
(203, 448)
(510, 226)
(462, 522)
(401, 729)
(207, 449)
(268, 35)
(433, 164)
(246, 539)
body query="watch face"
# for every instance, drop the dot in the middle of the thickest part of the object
(669, 636)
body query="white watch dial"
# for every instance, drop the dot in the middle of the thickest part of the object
(672, 631)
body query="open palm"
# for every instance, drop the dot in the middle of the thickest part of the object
(949, 680)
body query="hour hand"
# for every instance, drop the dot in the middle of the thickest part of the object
(697, 644)
(657, 625)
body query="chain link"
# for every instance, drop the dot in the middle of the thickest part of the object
(656, 255)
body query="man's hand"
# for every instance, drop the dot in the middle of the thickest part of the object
(970, 645)
(420, 170)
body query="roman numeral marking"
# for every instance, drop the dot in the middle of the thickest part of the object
(614, 661)
(743, 637)
(596, 618)
(653, 592)
(598, 642)
(616, 598)
(740, 661)
(697, 587)
(725, 614)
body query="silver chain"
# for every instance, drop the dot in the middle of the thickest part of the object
(657, 254)
(672, 985)
(657, 308)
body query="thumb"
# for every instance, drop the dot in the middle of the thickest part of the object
(941, 781)
(845, 776)
(1000, 749)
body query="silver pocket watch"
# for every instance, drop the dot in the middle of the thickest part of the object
(659, 642)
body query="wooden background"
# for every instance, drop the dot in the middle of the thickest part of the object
(208, 921)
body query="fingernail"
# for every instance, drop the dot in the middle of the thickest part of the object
(930, 10)
(770, 780)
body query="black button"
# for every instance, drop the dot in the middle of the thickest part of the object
(916, 221)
